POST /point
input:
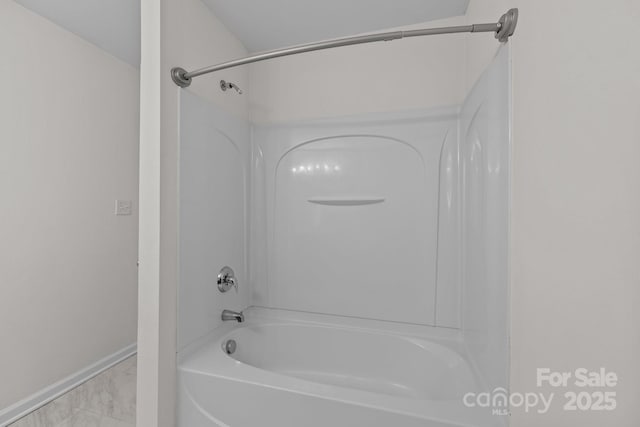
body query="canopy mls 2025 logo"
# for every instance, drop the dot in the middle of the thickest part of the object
(585, 390)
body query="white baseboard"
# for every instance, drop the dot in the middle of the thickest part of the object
(52, 392)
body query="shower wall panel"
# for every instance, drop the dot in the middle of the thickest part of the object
(485, 154)
(346, 216)
(214, 155)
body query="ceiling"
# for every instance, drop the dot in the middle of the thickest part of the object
(264, 25)
(114, 25)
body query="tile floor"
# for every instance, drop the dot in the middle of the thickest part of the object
(107, 400)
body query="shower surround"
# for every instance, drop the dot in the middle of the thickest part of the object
(371, 256)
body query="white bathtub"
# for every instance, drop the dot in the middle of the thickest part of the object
(302, 370)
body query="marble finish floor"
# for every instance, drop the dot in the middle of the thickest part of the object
(107, 400)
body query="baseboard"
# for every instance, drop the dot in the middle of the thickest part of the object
(52, 392)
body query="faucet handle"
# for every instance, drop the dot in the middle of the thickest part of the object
(227, 279)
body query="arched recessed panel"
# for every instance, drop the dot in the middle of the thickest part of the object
(365, 245)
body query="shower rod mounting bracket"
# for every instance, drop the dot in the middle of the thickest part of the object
(179, 77)
(507, 25)
(503, 29)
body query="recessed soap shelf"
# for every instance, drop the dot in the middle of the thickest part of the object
(346, 201)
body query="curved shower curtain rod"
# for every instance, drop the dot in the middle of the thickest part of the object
(503, 29)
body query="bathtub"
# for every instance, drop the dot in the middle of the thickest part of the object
(303, 370)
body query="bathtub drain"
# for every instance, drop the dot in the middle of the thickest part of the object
(230, 346)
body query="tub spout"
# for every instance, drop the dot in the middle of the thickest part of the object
(232, 315)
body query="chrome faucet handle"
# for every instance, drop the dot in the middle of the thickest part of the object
(227, 279)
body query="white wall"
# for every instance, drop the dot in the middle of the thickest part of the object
(174, 33)
(417, 73)
(69, 132)
(576, 206)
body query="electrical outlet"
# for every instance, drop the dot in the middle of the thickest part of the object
(123, 207)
